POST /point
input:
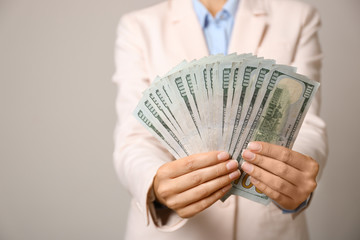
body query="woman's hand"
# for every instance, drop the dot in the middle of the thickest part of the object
(286, 176)
(192, 184)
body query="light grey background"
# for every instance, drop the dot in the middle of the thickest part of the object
(57, 116)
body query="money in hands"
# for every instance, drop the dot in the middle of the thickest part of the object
(221, 103)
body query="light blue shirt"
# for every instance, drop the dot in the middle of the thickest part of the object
(217, 31)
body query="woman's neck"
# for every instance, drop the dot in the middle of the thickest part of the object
(213, 6)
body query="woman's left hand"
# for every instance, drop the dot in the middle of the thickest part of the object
(285, 176)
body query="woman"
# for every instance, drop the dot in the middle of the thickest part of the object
(177, 199)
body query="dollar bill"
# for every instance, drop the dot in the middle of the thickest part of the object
(224, 102)
(282, 109)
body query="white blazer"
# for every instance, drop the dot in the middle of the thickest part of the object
(152, 41)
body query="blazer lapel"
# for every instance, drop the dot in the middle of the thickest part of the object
(188, 37)
(249, 27)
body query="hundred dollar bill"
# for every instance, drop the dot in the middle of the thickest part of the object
(184, 114)
(279, 116)
(141, 116)
(215, 67)
(166, 116)
(224, 102)
(245, 75)
(178, 85)
(163, 99)
(225, 85)
(175, 107)
(255, 82)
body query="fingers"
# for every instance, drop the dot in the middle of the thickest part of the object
(278, 168)
(286, 176)
(274, 182)
(197, 207)
(202, 191)
(282, 199)
(203, 175)
(282, 154)
(198, 183)
(194, 162)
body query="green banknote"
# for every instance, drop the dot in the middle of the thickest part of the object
(279, 114)
(224, 102)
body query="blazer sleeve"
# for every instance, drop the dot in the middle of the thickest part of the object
(137, 155)
(312, 138)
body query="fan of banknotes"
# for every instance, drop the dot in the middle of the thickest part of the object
(224, 102)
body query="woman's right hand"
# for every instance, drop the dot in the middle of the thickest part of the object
(190, 185)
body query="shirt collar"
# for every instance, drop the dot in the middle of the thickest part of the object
(231, 7)
(203, 14)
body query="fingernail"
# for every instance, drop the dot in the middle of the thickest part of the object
(247, 167)
(232, 164)
(253, 180)
(254, 146)
(227, 188)
(223, 156)
(235, 174)
(248, 155)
